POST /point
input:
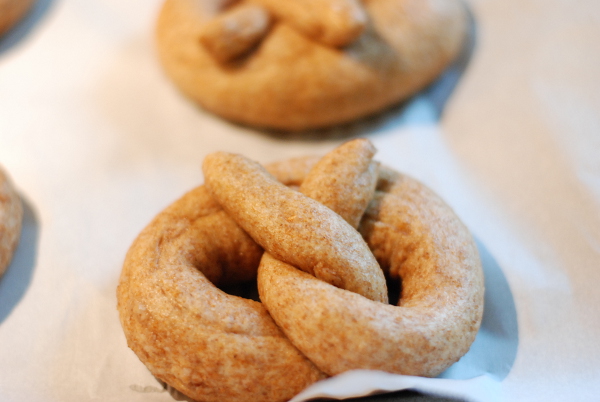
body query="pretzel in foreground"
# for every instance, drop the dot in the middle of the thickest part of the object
(305, 64)
(324, 305)
(11, 215)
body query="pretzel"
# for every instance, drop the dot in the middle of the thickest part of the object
(11, 215)
(304, 64)
(213, 346)
(12, 11)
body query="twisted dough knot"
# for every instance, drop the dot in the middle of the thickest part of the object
(308, 233)
(241, 26)
(330, 315)
(305, 64)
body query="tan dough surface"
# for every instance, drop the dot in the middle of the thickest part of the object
(290, 81)
(213, 346)
(207, 344)
(344, 180)
(293, 227)
(11, 215)
(416, 236)
(12, 11)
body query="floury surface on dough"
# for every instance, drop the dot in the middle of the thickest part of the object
(289, 66)
(213, 346)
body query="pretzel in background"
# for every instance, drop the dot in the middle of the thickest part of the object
(305, 64)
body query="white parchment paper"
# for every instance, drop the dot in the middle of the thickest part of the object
(98, 141)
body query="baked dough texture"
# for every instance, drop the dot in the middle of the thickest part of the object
(293, 227)
(299, 65)
(11, 215)
(12, 11)
(214, 346)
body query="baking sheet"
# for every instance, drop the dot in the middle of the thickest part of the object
(98, 141)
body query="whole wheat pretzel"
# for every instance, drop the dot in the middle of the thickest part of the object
(302, 64)
(11, 215)
(214, 346)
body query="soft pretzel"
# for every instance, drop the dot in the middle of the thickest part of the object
(11, 215)
(12, 11)
(302, 64)
(213, 346)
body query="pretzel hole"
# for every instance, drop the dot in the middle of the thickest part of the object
(394, 286)
(246, 290)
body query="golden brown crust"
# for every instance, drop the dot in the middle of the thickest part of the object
(207, 344)
(12, 11)
(415, 236)
(292, 82)
(235, 32)
(11, 215)
(334, 23)
(213, 346)
(344, 180)
(293, 227)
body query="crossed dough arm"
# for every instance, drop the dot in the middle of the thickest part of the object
(344, 180)
(334, 23)
(241, 26)
(236, 31)
(292, 227)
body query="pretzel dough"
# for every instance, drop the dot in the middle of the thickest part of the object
(415, 237)
(213, 346)
(210, 345)
(294, 66)
(11, 215)
(293, 227)
(12, 11)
